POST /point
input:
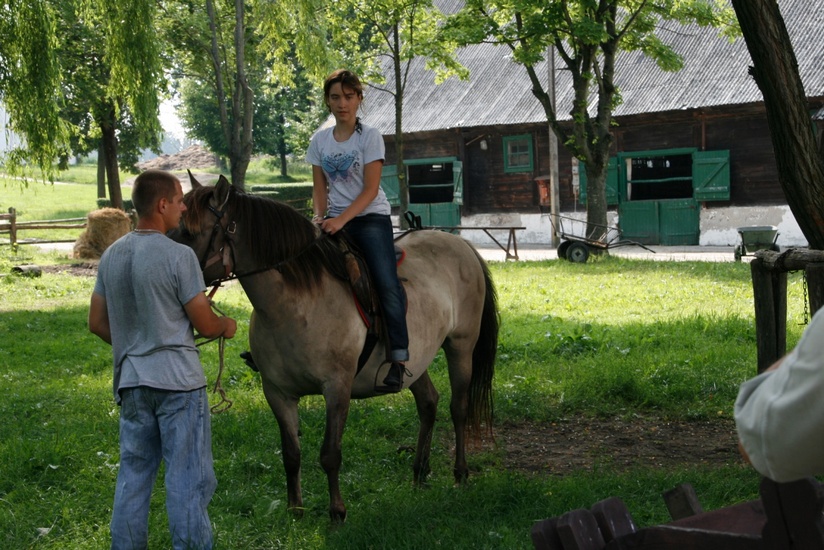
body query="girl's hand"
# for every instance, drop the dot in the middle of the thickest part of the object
(331, 225)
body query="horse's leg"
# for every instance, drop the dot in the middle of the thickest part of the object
(459, 359)
(337, 409)
(426, 401)
(286, 413)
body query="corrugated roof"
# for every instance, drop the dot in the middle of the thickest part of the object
(498, 91)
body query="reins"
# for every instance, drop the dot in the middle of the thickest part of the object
(225, 403)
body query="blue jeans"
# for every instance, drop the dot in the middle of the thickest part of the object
(174, 427)
(372, 233)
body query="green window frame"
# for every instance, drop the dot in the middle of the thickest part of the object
(518, 153)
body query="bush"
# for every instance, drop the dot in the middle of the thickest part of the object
(107, 203)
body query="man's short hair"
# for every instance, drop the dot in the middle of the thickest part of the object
(151, 186)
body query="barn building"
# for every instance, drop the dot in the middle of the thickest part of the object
(692, 157)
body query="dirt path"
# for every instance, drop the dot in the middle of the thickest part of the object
(576, 444)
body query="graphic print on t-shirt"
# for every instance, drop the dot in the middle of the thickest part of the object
(338, 165)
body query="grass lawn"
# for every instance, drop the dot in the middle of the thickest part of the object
(613, 338)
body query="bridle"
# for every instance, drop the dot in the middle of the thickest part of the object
(221, 248)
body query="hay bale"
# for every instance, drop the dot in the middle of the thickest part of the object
(104, 227)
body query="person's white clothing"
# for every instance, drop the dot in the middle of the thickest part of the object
(780, 413)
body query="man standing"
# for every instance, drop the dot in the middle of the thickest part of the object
(147, 299)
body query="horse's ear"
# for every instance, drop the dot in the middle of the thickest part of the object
(222, 188)
(193, 181)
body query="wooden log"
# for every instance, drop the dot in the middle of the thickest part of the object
(770, 301)
(544, 535)
(49, 223)
(29, 270)
(665, 537)
(682, 502)
(578, 530)
(46, 225)
(794, 514)
(792, 259)
(613, 518)
(746, 518)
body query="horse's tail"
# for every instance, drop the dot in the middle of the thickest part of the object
(480, 413)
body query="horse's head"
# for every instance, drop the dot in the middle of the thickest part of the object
(235, 233)
(205, 227)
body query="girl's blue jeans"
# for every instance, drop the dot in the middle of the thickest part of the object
(174, 427)
(372, 233)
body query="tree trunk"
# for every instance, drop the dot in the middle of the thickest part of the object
(403, 185)
(108, 129)
(243, 108)
(284, 172)
(101, 171)
(775, 69)
(282, 146)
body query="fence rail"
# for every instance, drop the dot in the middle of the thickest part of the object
(10, 225)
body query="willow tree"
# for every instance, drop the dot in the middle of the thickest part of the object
(132, 48)
(38, 77)
(30, 85)
(775, 69)
(587, 36)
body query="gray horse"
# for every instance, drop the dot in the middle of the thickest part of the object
(306, 332)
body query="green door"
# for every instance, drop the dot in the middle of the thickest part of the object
(672, 218)
(669, 223)
(639, 221)
(390, 184)
(679, 221)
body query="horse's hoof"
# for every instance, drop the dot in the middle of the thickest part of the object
(338, 516)
(296, 511)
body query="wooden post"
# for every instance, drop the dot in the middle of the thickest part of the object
(682, 502)
(13, 226)
(815, 285)
(770, 299)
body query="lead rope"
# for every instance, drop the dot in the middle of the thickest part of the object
(225, 403)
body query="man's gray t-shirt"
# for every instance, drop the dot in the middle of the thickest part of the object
(146, 279)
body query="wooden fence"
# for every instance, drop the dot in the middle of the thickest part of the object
(10, 225)
(769, 282)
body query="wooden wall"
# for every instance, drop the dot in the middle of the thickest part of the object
(742, 130)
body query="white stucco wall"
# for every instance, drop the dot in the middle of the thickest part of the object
(718, 226)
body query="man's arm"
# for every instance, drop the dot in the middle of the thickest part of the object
(205, 321)
(99, 318)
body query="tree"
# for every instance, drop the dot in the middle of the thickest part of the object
(97, 121)
(800, 164)
(403, 30)
(37, 65)
(363, 35)
(587, 36)
(30, 84)
(211, 54)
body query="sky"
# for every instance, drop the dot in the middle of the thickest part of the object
(170, 121)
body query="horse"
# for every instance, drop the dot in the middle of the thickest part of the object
(306, 332)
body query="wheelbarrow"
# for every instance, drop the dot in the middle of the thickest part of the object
(580, 238)
(756, 237)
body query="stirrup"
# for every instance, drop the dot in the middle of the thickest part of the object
(393, 382)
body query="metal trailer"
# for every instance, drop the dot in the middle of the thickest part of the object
(577, 243)
(756, 237)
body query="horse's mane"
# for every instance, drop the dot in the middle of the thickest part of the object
(275, 235)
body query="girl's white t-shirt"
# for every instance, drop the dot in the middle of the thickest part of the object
(343, 163)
